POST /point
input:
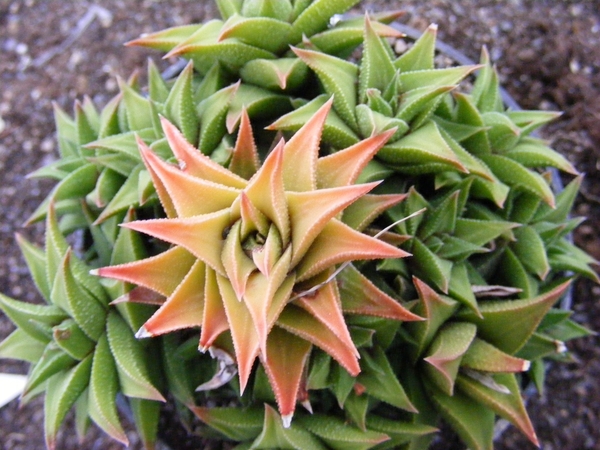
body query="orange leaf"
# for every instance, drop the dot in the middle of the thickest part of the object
(338, 243)
(184, 308)
(311, 211)
(343, 168)
(201, 235)
(302, 151)
(161, 273)
(196, 164)
(190, 195)
(284, 363)
(265, 191)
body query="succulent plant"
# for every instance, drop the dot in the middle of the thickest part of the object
(381, 234)
(256, 255)
(82, 351)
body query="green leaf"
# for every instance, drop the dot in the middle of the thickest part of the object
(76, 184)
(415, 79)
(339, 435)
(534, 153)
(516, 175)
(502, 132)
(509, 406)
(124, 145)
(564, 204)
(145, 415)
(436, 309)
(86, 127)
(281, 10)
(481, 232)
(319, 370)
(36, 263)
(166, 39)
(335, 131)
(356, 407)
(485, 357)
(399, 432)
(425, 144)
(157, 85)
(259, 103)
(529, 121)
(266, 32)
(430, 266)
(376, 67)
(567, 330)
(530, 249)
(128, 246)
(53, 361)
(540, 346)
(315, 17)
(239, 424)
(126, 198)
(56, 258)
(460, 287)
(227, 8)
(72, 340)
(283, 74)
(486, 91)
(341, 383)
(378, 377)
(137, 109)
(179, 106)
(130, 360)
(512, 270)
(70, 295)
(473, 422)
(508, 324)
(420, 55)
(445, 354)
(338, 77)
(275, 435)
(26, 315)
(348, 34)
(63, 391)
(419, 101)
(103, 388)
(212, 113)
(566, 256)
(20, 345)
(204, 48)
(66, 133)
(372, 122)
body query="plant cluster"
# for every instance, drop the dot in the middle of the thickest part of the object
(362, 233)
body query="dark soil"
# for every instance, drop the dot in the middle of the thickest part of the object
(548, 54)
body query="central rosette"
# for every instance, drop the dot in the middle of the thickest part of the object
(250, 240)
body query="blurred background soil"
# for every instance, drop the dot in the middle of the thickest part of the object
(56, 51)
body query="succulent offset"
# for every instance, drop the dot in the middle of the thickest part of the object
(383, 237)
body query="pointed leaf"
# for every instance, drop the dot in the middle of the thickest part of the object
(338, 77)
(445, 354)
(63, 391)
(487, 358)
(510, 406)
(380, 381)
(284, 363)
(239, 424)
(103, 388)
(508, 324)
(130, 360)
(341, 436)
(277, 434)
